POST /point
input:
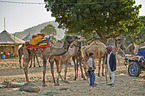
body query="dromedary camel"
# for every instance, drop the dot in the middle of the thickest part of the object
(72, 51)
(47, 53)
(132, 49)
(99, 50)
(20, 51)
(78, 61)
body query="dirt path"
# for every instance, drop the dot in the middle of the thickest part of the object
(124, 84)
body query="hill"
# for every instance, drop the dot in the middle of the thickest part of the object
(36, 29)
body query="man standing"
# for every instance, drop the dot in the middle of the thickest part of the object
(91, 67)
(111, 64)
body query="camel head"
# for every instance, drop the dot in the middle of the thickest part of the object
(68, 41)
(80, 38)
(118, 42)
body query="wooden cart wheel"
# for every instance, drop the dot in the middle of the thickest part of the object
(134, 69)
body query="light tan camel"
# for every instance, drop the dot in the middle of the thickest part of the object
(47, 53)
(78, 62)
(99, 50)
(20, 51)
(72, 51)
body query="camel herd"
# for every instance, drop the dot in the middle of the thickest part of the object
(71, 48)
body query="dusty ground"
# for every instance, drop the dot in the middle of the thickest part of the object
(124, 84)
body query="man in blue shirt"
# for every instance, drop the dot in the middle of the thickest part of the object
(91, 67)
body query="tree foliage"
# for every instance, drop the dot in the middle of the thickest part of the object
(49, 30)
(105, 18)
(140, 36)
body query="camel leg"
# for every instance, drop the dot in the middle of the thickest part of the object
(82, 75)
(31, 63)
(37, 61)
(58, 72)
(34, 60)
(103, 67)
(85, 67)
(57, 66)
(99, 67)
(52, 70)
(60, 63)
(44, 70)
(65, 71)
(75, 68)
(26, 62)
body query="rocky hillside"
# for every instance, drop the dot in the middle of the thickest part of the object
(36, 29)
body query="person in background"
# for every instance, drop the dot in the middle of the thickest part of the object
(111, 64)
(91, 67)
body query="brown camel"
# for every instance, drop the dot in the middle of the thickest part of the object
(47, 53)
(72, 51)
(78, 61)
(20, 51)
(99, 50)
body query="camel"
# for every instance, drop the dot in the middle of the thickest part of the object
(45, 54)
(20, 51)
(78, 61)
(132, 48)
(99, 50)
(72, 51)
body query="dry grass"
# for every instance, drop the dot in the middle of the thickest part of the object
(124, 84)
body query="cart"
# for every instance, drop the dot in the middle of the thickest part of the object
(136, 63)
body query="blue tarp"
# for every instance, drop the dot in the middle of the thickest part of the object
(141, 52)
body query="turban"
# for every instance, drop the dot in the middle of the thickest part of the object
(109, 48)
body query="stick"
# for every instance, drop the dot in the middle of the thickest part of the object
(106, 74)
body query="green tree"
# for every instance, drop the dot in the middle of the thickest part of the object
(106, 18)
(49, 30)
(137, 37)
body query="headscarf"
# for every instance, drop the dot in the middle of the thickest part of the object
(109, 48)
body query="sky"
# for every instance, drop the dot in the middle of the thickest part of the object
(19, 17)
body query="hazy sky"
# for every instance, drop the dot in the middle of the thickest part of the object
(19, 17)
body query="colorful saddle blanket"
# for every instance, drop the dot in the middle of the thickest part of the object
(38, 42)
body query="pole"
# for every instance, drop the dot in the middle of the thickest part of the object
(106, 73)
(4, 24)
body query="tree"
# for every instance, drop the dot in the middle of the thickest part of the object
(49, 30)
(137, 37)
(105, 18)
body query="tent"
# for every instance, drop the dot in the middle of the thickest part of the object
(9, 44)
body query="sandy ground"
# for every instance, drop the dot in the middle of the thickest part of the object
(124, 84)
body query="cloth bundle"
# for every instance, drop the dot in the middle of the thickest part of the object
(37, 42)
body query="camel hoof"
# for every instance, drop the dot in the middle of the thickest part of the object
(56, 84)
(44, 85)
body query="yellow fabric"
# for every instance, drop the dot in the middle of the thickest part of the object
(42, 44)
(36, 40)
